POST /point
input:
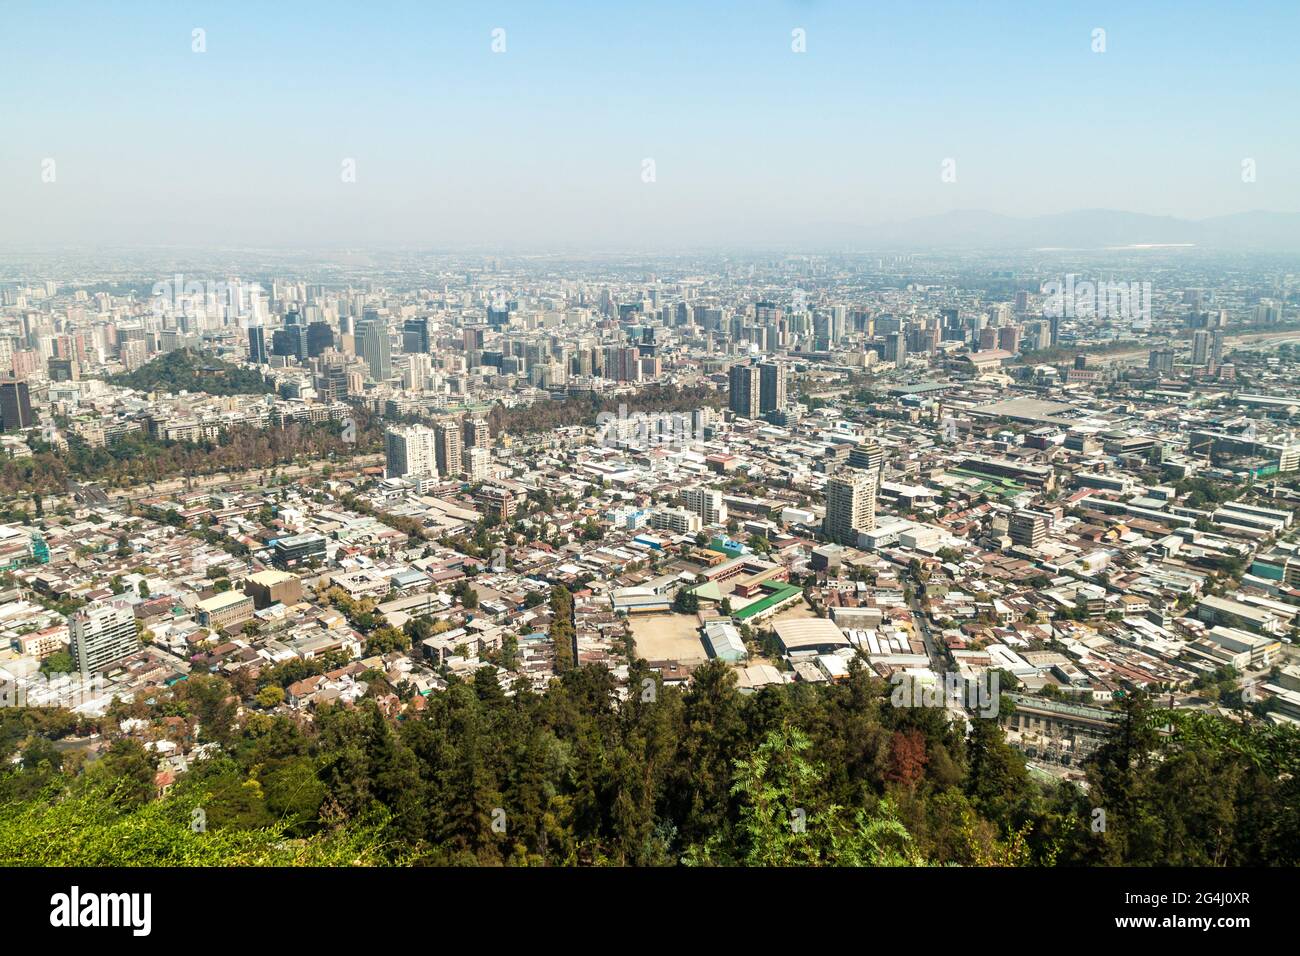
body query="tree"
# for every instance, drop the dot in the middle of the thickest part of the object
(686, 601)
(60, 662)
(784, 819)
(270, 696)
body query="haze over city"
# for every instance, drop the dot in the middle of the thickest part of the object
(524, 125)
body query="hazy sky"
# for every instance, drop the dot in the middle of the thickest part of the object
(545, 143)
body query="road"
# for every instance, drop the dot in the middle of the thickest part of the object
(1139, 356)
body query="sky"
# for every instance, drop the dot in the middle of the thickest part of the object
(628, 124)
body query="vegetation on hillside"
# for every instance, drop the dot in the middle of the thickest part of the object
(800, 775)
(192, 370)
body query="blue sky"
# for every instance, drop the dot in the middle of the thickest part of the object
(545, 143)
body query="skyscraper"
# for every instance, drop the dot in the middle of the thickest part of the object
(745, 391)
(102, 634)
(771, 387)
(372, 345)
(257, 345)
(850, 506)
(895, 348)
(15, 405)
(1200, 347)
(319, 338)
(415, 336)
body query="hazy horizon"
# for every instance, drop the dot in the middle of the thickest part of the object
(120, 132)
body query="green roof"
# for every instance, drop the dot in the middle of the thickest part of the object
(709, 590)
(777, 594)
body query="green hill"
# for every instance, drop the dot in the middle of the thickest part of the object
(194, 371)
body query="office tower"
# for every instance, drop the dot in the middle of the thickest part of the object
(1009, 338)
(1027, 528)
(477, 433)
(498, 317)
(1081, 361)
(289, 342)
(475, 337)
(705, 502)
(867, 456)
(102, 634)
(372, 345)
(1200, 347)
(319, 338)
(447, 448)
(257, 345)
(409, 450)
(987, 339)
(415, 336)
(895, 348)
(771, 387)
(745, 391)
(622, 364)
(850, 507)
(332, 384)
(1054, 331)
(63, 370)
(15, 405)
(292, 317)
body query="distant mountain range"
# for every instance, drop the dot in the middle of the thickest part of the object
(1089, 229)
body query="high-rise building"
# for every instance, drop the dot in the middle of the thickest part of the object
(1216, 348)
(1161, 360)
(372, 345)
(332, 383)
(101, 635)
(257, 345)
(850, 506)
(476, 463)
(15, 405)
(319, 338)
(867, 456)
(415, 336)
(705, 502)
(745, 392)
(771, 387)
(477, 433)
(447, 448)
(895, 348)
(410, 450)
(1200, 347)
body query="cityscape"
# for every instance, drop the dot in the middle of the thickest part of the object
(887, 551)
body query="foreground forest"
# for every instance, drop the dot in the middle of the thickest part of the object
(801, 775)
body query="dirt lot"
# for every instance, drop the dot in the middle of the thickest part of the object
(795, 612)
(668, 637)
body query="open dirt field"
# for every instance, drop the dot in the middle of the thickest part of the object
(671, 637)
